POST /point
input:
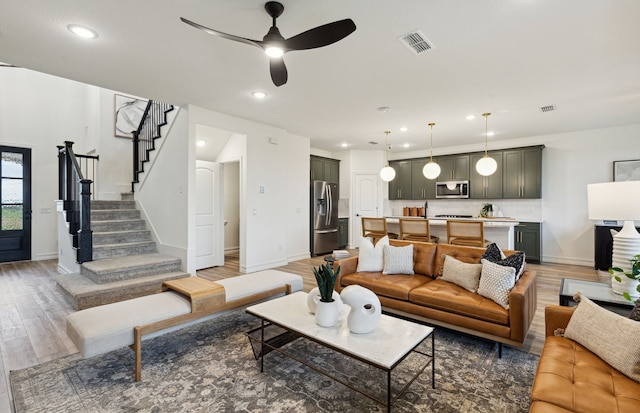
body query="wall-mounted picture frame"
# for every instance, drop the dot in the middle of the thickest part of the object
(626, 170)
(128, 111)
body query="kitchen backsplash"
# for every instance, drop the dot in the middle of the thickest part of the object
(520, 209)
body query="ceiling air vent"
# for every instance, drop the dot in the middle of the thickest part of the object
(416, 42)
(548, 108)
(373, 143)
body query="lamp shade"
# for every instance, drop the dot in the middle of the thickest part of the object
(614, 200)
(387, 173)
(431, 170)
(486, 166)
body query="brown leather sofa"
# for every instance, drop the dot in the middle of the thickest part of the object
(425, 297)
(571, 378)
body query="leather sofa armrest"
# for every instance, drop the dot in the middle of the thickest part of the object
(555, 317)
(347, 266)
(522, 305)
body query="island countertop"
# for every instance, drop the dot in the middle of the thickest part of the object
(497, 222)
(498, 230)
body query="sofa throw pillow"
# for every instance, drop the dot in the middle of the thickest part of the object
(460, 273)
(610, 336)
(370, 258)
(635, 313)
(515, 260)
(496, 281)
(493, 253)
(398, 260)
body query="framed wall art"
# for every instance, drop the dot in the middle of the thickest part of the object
(128, 113)
(626, 170)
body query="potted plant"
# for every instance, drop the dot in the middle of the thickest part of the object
(633, 279)
(486, 211)
(327, 309)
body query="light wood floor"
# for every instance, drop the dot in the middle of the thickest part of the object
(33, 311)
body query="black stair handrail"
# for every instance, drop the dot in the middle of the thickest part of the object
(153, 118)
(74, 190)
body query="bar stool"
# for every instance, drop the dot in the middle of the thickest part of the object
(469, 233)
(416, 230)
(375, 228)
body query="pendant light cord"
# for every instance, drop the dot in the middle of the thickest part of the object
(486, 132)
(386, 138)
(431, 141)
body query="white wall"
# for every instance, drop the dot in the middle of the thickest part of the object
(265, 218)
(39, 112)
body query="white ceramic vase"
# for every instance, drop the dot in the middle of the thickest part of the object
(625, 285)
(365, 309)
(327, 313)
(314, 297)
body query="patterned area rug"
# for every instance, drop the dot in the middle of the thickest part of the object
(210, 367)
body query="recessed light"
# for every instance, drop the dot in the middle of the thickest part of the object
(259, 95)
(470, 117)
(201, 143)
(82, 31)
(406, 145)
(404, 129)
(344, 145)
(491, 133)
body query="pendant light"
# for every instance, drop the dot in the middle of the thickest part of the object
(486, 165)
(431, 170)
(387, 173)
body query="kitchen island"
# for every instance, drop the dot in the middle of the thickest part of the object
(498, 230)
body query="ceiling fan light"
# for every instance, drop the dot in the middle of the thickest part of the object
(431, 170)
(387, 173)
(486, 166)
(274, 51)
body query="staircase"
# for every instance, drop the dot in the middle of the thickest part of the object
(125, 263)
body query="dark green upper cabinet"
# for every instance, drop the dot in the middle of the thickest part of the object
(453, 168)
(522, 174)
(400, 186)
(325, 169)
(421, 187)
(486, 187)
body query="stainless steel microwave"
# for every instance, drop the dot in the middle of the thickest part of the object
(452, 189)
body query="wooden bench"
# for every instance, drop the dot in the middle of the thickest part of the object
(186, 301)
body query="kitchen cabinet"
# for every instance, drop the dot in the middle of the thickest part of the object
(421, 187)
(325, 169)
(400, 186)
(522, 173)
(485, 187)
(528, 239)
(453, 168)
(343, 232)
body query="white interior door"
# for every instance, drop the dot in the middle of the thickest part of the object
(365, 202)
(209, 219)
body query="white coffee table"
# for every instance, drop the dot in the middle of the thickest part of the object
(384, 348)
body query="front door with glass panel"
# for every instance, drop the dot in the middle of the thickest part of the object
(15, 217)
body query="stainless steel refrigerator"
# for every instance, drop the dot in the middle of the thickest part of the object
(324, 217)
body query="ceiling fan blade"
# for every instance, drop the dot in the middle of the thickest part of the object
(321, 36)
(279, 73)
(205, 29)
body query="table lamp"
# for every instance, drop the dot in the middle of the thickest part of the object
(619, 201)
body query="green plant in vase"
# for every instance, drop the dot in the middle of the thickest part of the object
(634, 275)
(326, 278)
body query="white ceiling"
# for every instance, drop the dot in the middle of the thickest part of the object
(508, 57)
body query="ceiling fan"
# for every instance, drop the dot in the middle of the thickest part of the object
(275, 45)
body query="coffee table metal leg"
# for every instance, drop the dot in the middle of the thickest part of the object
(433, 360)
(389, 391)
(262, 347)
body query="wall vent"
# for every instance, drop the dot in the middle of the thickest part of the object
(548, 108)
(416, 41)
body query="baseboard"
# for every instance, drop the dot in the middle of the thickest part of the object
(301, 256)
(567, 260)
(264, 266)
